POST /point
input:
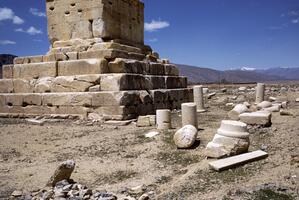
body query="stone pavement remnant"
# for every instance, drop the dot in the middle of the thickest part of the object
(189, 114)
(231, 139)
(97, 63)
(185, 137)
(234, 161)
(260, 93)
(199, 98)
(163, 119)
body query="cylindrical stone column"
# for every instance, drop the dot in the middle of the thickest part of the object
(260, 92)
(189, 114)
(198, 97)
(163, 119)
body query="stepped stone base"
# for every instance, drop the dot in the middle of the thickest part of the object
(113, 79)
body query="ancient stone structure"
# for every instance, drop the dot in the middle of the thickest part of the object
(236, 111)
(97, 64)
(185, 137)
(189, 114)
(198, 98)
(260, 93)
(232, 138)
(163, 119)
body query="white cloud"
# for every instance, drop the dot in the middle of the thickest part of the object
(31, 30)
(153, 40)
(293, 13)
(8, 14)
(295, 21)
(36, 12)
(7, 42)
(156, 25)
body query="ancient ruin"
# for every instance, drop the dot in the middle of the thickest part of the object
(97, 64)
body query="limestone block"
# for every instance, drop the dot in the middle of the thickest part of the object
(257, 118)
(35, 70)
(79, 83)
(145, 121)
(14, 99)
(171, 70)
(117, 112)
(185, 137)
(236, 111)
(117, 46)
(107, 54)
(156, 82)
(80, 67)
(95, 88)
(67, 99)
(176, 82)
(32, 99)
(18, 60)
(83, 29)
(273, 108)
(23, 86)
(37, 110)
(119, 82)
(72, 55)
(106, 98)
(43, 85)
(35, 59)
(136, 56)
(2, 100)
(120, 65)
(7, 71)
(6, 86)
(156, 69)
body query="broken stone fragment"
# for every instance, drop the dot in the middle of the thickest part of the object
(145, 121)
(257, 118)
(232, 138)
(236, 111)
(185, 137)
(62, 172)
(264, 104)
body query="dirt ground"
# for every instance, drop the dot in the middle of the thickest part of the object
(114, 158)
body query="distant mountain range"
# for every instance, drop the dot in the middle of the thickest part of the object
(242, 75)
(4, 60)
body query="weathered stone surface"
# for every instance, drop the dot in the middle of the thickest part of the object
(67, 99)
(145, 121)
(257, 118)
(62, 172)
(232, 138)
(6, 86)
(35, 70)
(185, 137)
(23, 86)
(163, 119)
(236, 111)
(234, 161)
(264, 104)
(7, 71)
(223, 146)
(81, 67)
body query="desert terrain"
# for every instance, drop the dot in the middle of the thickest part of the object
(118, 158)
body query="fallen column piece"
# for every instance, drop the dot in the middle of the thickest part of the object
(257, 118)
(260, 93)
(231, 139)
(236, 111)
(185, 137)
(163, 119)
(234, 161)
(189, 114)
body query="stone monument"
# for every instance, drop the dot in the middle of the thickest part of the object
(97, 64)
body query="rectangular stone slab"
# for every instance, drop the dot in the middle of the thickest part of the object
(256, 118)
(234, 161)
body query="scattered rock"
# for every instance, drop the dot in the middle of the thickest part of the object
(264, 104)
(257, 118)
(286, 113)
(146, 121)
(272, 99)
(62, 172)
(95, 117)
(40, 122)
(118, 123)
(185, 137)
(152, 134)
(17, 193)
(236, 111)
(209, 96)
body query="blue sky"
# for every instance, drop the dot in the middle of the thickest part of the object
(220, 34)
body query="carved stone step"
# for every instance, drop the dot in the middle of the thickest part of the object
(85, 83)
